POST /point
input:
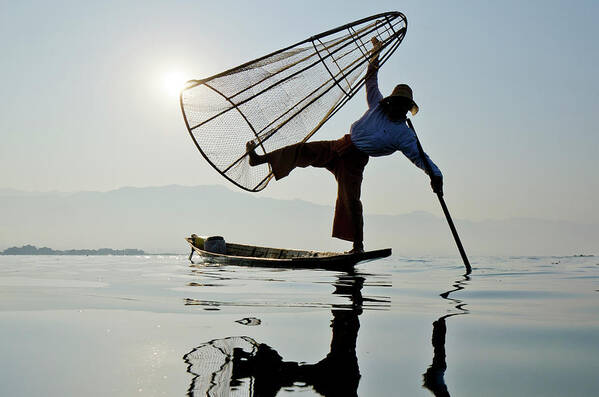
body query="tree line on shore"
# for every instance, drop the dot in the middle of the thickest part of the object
(33, 250)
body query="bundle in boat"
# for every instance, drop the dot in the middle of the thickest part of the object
(284, 97)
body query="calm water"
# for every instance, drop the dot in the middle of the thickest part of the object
(123, 326)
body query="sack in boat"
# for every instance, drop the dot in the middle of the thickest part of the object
(215, 244)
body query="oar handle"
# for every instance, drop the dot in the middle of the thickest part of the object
(429, 171)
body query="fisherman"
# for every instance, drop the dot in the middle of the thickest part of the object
(381, 131)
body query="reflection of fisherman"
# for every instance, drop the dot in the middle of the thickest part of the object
(381, 131)
(434, 376)
(337, 374)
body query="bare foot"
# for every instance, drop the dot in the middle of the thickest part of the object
(358, 248)
(355, 251)
(254, 158)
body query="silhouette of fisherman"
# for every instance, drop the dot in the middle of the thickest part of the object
(381, 131)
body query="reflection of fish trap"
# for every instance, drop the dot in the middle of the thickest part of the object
(212, 365)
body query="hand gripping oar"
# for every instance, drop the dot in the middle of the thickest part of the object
(429, 171)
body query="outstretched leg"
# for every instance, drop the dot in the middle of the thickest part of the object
(254, 158)
(284, 160)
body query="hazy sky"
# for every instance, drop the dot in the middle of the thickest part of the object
(508, 94)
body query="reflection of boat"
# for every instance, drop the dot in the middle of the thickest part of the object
(250, 255)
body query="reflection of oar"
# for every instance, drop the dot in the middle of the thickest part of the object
(440, 196)
(434, 377)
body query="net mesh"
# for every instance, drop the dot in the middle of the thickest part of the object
(282, 98)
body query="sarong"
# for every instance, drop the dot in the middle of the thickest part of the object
(346, 162)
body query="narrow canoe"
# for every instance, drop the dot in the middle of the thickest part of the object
(250, 255)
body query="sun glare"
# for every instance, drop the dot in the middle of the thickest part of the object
(174, 82)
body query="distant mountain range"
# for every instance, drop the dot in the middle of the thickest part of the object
(156, 219)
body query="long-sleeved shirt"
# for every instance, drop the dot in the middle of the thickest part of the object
(376, 135)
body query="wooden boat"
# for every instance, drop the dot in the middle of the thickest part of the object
(250, 255)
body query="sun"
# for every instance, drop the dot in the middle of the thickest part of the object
(174, 82)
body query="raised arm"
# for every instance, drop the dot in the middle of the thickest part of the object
(373, 95)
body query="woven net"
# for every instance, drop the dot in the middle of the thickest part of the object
(284, 97)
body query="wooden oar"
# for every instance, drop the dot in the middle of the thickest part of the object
(429, 171)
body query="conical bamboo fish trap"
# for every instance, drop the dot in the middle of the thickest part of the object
(284, 97)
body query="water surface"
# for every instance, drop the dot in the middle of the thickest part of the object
(152, 325)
